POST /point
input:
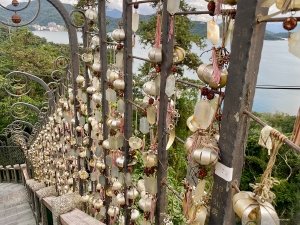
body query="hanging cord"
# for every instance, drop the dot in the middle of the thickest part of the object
(158, 30)
(171, 31)
(218, 7)
(262, 189)
(217, 74)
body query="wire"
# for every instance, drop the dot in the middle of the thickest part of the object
(277, 87)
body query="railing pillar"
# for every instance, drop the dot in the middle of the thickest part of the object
(244, 64)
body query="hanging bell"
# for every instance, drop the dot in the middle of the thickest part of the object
(135, 142)
(205, 73)
(118, 35)
(87, 57)
(96, 67)
(178, 54)
(95, 41)
(91, 14)
(155, 55)
(205, 156)
(119, 84)
(150, 88)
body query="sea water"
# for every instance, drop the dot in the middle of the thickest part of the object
(277, 67)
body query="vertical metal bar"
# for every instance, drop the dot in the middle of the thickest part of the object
(127, 26)
(85, 40)
(103, 62)
(167, 53)
(244, 64)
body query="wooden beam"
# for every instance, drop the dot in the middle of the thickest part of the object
(245, 57)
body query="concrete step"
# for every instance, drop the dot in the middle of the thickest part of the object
(14, 206)
(25, 215)
(13, 210)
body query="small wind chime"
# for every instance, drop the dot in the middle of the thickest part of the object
(290, 23)
(257, 205)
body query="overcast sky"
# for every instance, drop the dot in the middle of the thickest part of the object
(145, 8)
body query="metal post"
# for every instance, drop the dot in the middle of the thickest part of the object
(127, 26)
(103, 61)
(167, 52)
(85, 40)
(245, 58)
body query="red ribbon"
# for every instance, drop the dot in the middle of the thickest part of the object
(171, 31)
(218, 7)
(158, 31)
(217, 74)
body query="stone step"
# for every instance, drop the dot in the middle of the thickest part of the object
(25, 221)
(25, 215)
(14, 206)
(13, 210)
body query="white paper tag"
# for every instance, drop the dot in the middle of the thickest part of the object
(223, 171)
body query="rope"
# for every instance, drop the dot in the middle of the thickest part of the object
(263, 189)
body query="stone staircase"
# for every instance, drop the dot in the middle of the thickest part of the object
(14, 206)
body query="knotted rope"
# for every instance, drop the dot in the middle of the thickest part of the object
(263, 189)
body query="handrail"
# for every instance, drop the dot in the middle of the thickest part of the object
(263, 124)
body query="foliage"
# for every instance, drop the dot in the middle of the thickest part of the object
(22, 51)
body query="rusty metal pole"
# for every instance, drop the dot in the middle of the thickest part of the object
(127, 25)
(167, 56)
(245, 57)
(85, 39)
(103, 62)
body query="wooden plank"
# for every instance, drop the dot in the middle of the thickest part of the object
(77, 217)
(48, 202)
(244, 64)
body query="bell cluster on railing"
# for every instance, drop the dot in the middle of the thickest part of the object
(72, 153)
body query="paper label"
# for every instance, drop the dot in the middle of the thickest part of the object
(223, 171)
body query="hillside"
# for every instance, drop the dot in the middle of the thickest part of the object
(49, 14)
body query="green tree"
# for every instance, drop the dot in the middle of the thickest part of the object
(24, 51)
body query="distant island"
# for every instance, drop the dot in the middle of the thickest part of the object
(50, 20)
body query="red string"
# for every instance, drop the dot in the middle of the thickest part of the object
(144, 143)
(218, 7)
(217, 74)
(133, 41)
(152, 209)
(171, 31)
(122, 125)
(158, 31)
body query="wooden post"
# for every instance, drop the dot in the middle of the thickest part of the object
(245, 57)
